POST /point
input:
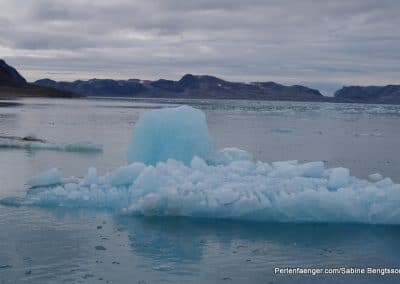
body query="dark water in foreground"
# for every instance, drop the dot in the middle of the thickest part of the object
(51, 245)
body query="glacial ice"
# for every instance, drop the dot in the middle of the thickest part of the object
(375, 177)
(338, 178)
(49, 177)
(372, 134)
(35, 145)
(228, 183)
(228, 155)
(125, 175)
(170, 133)
(282, 130)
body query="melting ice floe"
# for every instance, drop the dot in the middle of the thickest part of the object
(32, 143)
(218, 184)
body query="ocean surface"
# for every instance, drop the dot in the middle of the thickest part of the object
(52, 245)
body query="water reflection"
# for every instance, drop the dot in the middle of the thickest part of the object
(42, 246)
(47, 245)
(186, 239)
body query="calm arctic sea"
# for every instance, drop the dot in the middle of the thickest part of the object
(51, 245)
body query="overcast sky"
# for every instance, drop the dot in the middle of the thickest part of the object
(322, 44)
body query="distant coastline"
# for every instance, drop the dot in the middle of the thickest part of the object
(210, 87)
(12, 84)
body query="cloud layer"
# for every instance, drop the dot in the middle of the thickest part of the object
(318, 43)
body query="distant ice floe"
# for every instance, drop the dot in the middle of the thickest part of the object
(282, 130)
(216, 184)
(32, 143)
(372, 134)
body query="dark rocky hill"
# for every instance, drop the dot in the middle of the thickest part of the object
(389, 94)
(9, 76)
(12, 84)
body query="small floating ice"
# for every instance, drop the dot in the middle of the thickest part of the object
(99, 247)
(375, 177)
(163, 267)
(32, 143)
(372, 134)
(282, 130)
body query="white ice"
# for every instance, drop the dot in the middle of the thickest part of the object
(282, 130)
(226, 184)
(375, 177)
(338, 177)
(49, 177)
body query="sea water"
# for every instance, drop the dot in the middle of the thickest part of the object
(47, 245)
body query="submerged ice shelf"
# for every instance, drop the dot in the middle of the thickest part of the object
(179, 174)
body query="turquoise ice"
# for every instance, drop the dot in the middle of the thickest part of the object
(170, 133)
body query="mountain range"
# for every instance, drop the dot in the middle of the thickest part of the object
(189, 86)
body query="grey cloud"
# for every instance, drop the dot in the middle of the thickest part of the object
(317, 42)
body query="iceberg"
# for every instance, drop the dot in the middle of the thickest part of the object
(170, 133)
(182, 179)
